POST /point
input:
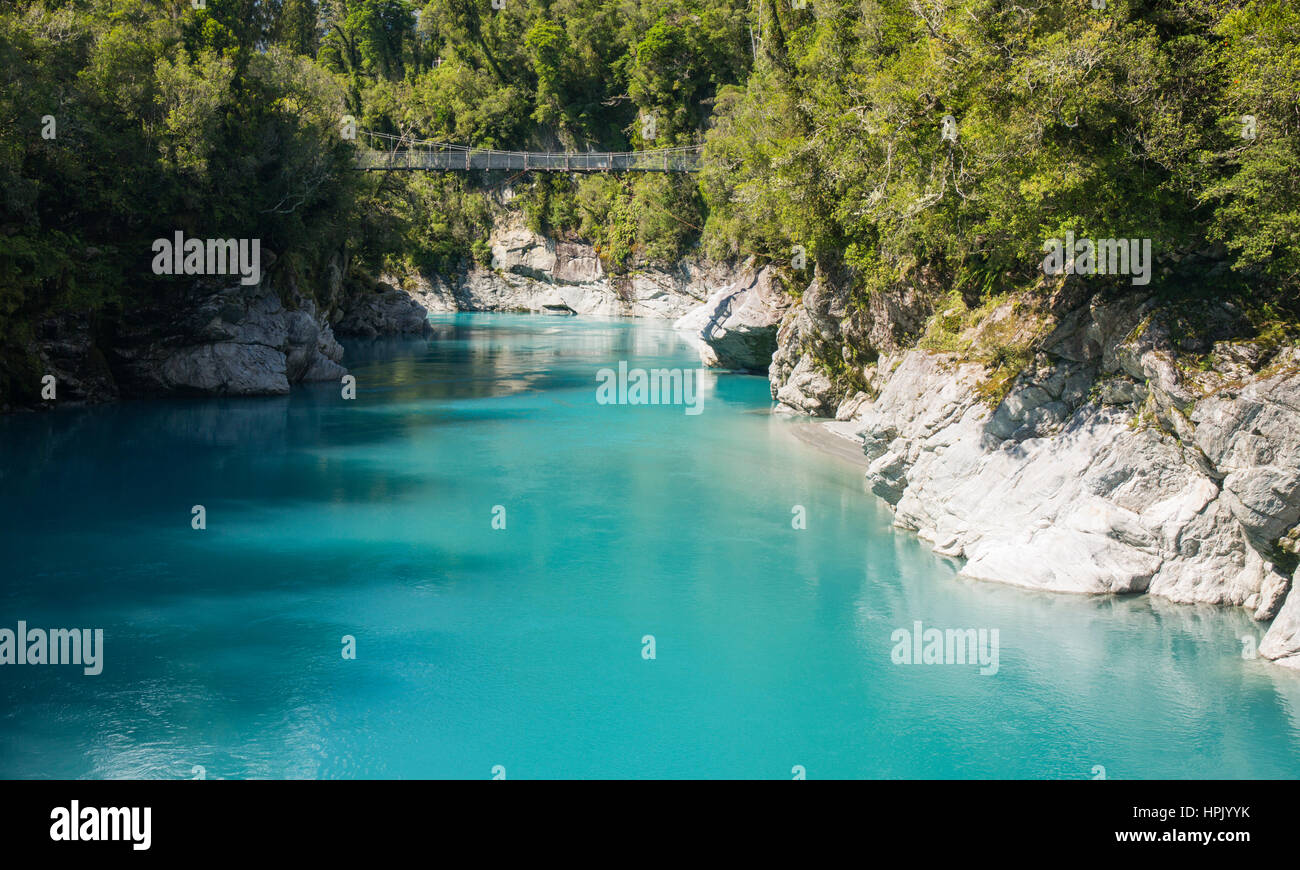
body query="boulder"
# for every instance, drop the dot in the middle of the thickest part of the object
(1282, 641)
(225, 340)
(388, 310)
(738, 323)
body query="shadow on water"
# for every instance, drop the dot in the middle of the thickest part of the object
(372, 518)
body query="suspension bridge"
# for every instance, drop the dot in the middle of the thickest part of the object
(386, 152)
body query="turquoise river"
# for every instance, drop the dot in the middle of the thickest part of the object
(525, 651)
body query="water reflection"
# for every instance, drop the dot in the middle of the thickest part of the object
(372, 518)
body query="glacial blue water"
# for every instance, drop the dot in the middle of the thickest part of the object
(523, 647)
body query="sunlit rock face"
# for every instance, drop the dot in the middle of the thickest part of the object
(531, 272)
(1282, 643)
(827, 331)
(736, 328)
(1107, 465)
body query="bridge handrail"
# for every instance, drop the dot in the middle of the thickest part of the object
(407, 145)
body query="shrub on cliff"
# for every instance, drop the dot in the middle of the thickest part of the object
(962, 134)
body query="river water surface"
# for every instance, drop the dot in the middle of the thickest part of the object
(526, 648)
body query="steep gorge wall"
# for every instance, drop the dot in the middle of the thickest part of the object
(1107, 463)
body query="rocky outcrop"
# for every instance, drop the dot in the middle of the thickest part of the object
(386, 310)
(1096, 506)
(67, 349)
(827, 331)
(736, 327)
(654, 293)
(1109, 465)
(192, 336)
(1282, 642)
(532, 273)
(810, 333)
(1251, 439)
(229, 340)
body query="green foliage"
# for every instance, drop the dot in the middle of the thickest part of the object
(424, 222)
(822, 128)
(617, 237)
(1257, 191)
(224, 121)
(161, 124)
(566, 75)
(1115, 123)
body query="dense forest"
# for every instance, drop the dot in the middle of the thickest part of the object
(892, 140)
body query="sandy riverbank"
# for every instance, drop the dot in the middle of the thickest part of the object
(833, 438)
